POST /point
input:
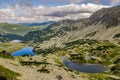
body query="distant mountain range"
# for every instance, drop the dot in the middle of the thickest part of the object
(37, 24)
(18, 29)
(10, 32)
(102, 25)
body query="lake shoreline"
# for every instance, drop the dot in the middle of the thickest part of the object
(88, 68)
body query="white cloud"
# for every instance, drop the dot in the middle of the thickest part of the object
(43, 13)
(114, 2)
(68, 1)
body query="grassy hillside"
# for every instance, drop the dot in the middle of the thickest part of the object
(6, 74)
(3, 39)
(10, 47)
(17, 29)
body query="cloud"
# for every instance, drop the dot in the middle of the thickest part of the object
(69, 1)
(61, 1)
(114, 2)
(75, 1)
(42, 13)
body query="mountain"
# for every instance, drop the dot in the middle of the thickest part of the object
(18, 29)
(12, 36)
(56, 29)
(102, 25)
(4, 37)
(37, 24)
(107, 16)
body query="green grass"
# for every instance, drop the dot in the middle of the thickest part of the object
(18, 29)
(58, 62)
(10, 75)
(7, 48)
(6, 56)
(10, 47)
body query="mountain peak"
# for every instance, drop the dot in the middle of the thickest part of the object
(106, 16)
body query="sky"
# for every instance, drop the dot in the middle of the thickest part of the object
(22, 11)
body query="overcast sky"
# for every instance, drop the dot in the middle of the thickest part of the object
(13, 11)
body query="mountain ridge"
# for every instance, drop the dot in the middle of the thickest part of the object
(37, 24)
(102, 25)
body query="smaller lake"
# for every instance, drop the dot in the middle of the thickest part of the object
(24, 51)
(88, 68)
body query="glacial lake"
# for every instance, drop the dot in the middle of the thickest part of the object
(88, 68)
(24, 51)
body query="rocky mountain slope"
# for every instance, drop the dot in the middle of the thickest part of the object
(107, 16)
(102, 25)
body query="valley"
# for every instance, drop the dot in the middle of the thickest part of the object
(83, 49)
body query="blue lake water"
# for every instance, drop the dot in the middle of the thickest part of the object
(88, 68)
(24, 51)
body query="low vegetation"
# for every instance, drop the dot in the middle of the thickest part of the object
(43, 70)
(7, 74)
(18, 29)
(29, 63)
(91, 34)
(10, 47)
(80, 51)
(91, 51)
(4, 55)
(117, 35)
